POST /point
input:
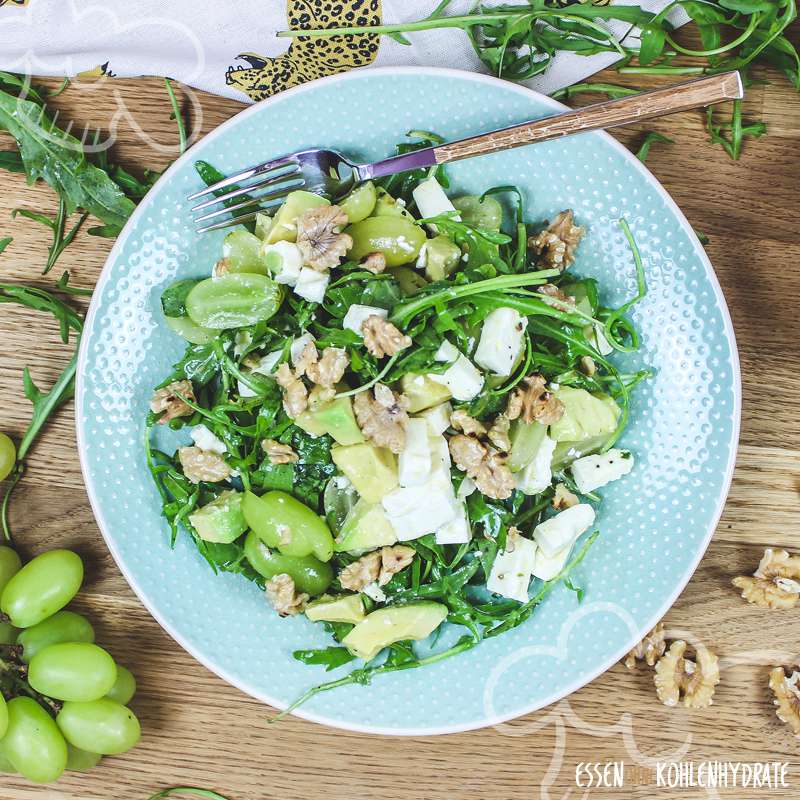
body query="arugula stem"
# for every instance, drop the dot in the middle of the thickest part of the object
(743, 37)
(176, 115)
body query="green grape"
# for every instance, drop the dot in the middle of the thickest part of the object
(360, 203)
(8, 456)
(33, 743)
(3, 716)
(42, 587)
(188, 330)
(233, 300)
(10, 565)
(486, 213)
(81, 760)
(77, 671)
(63, 626)
(308, 573)
(242, 252)
(124, 688)
(5, 763)
(398, 238)
(101, 726)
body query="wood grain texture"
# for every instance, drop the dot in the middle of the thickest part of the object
(199, 731)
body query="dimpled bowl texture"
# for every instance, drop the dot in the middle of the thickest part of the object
(655, 524)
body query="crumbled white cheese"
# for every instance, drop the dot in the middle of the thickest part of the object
(414, 461)
(547, 567)
(537, 475)
(457, 531)
(311, 285)
(592, 472)
(463, 379)
(512, 569)
(501, 341)
(563, 529)
(437, 417)
(284, 260)
(357, 315)
(374, 592)
(417, 510)
(207, 441)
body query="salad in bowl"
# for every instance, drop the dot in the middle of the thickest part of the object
(401, 408)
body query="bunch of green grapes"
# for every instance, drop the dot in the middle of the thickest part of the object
(62, 698)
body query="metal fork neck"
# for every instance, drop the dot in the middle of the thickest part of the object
(417, 159)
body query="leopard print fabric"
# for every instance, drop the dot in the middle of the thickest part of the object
(13, 2)
(307, 58)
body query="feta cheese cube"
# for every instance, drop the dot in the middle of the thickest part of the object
(357, 315)
(563, 529)
(431, 199)
(311, 285)
(437, 418)
(284, 260)
(440, 461)
(592, 472)
(207, 441)
(512, 568)
(457, 531)
(462, 378)
(501, 341)
(297, 346)
(418, 510)
(537, 475)
(547, 567)
(414, 462)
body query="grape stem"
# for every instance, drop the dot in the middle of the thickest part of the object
(13, 681)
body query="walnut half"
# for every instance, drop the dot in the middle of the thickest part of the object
(382, 416)
(278, 453)
(534, 403)
(693, 681)
(283, 596)
(484, 465)
(170, 401)
(786, 696)
(202, 465)
(650, 649)
(382, 338)
(376, 567)
(776, 582)
(556, 245)
(320, 239)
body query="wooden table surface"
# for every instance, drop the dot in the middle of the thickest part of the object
(200, 731)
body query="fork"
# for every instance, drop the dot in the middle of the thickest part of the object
(333, 175)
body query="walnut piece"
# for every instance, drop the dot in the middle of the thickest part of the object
(320, 239)
(678, 677)
(283, 596)
(376, 567)
(169, 400)
(556, 245)
(375, 263)
(202, 465)
(776, 582)
(382, 416)
(329, 370)
(462, 421)
(307, 358)
(279, 453)
(564, 498)
(534, 403)
(498, 433)
(588, 366)
(550, 290)
(484, 465)
(650, 649)
(786, 693)
(295, 394)
(382, 338)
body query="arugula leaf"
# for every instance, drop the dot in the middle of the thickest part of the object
(5, 242)
(329, 657)
(206, 794)
(649, 139)
(173, 298)
(11, 161)
(57, 225)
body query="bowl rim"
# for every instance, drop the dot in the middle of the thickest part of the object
(356, 75)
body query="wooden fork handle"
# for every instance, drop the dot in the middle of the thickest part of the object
(610, 114)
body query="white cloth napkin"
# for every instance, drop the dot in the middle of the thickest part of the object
(200, 42)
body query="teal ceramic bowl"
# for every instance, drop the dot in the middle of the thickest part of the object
(655, 524)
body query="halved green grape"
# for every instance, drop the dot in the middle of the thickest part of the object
(42, 587)
(10, 565)
(281, 521)
(398, 238)
(308, 573)
(33, 743)
(486, 213)
(189, 330)
(124, 687)
(101, 726)
(233, 301)
(242, 252)
(8, 456)
(78, 671)
(360, 202)
(81, 760)
(64, 626)
(3, 716)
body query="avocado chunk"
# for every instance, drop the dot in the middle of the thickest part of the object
(310, 424)
(394, 624)
(526, 439)
(366, 527)
(337, 419)
(585, 415)
(343, 608)
(422, 392)
(284, 224)
(221, 520)
(372, 470)
(567, 452)
(441, 257)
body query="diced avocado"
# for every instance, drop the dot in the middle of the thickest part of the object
(337, 419)
(284, 226)
(526, 439)
(585, 415)
(388, 206)
(567, 452)
(309, 423)
(221, 520)
(242, 252)
(409, 280)
(344, 608)
(395, 624)
(372, 470)
(360, 203)
(366, 528)
(441, 257)
(422, 392)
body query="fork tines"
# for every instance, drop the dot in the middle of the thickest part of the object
(278, 177)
